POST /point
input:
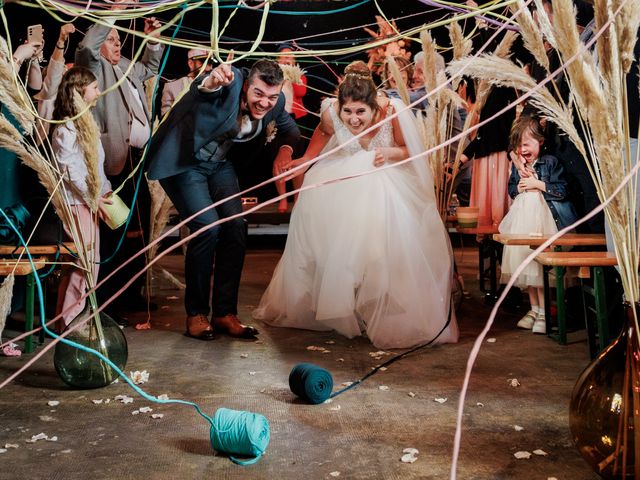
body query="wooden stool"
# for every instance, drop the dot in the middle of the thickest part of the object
(582, 260)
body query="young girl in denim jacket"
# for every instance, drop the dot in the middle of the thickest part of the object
(540, 206)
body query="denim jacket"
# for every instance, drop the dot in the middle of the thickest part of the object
(549, 170)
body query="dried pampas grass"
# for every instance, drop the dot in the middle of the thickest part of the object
(498, 71)
(430, 65)
(582, 72)
(88, 135)
(627, 25)
(599, 92)
(531, 34)
(503, 50)
(606, 48)
(544, 23)
(13, 95)
(397, 76)
(32, 158)
(292, 73)
(462, 47)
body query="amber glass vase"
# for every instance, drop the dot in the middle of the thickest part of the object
(605, 405)
(81, 369)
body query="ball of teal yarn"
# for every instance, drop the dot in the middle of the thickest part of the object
(242, 433)
(311, 382)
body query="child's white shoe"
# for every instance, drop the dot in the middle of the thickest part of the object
(540, 325)
(527, 321)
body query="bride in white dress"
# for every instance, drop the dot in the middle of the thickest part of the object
(367, 255)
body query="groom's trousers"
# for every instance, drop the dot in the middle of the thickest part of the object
(219, 250)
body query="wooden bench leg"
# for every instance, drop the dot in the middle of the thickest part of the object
(493, 270)
(547, 297)
(591, 334)
(601, 307)
(43, 320)
(28, 341)
(481, 264)
(560, 306)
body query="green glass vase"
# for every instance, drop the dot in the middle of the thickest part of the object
(80, 369)
(605, 407)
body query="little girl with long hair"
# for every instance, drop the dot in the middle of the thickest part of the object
(540, 206)
(80, 157)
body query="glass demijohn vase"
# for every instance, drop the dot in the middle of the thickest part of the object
(605, 405)
(81, 369)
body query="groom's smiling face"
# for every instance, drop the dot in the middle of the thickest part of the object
(260, 97)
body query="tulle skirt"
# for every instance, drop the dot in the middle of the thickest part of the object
(364, 255)
(529, 214)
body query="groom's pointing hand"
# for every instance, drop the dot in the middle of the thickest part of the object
(221, 76)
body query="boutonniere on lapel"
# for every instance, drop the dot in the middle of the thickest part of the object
(270, 132)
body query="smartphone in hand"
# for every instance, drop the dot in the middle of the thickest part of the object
(35, 34)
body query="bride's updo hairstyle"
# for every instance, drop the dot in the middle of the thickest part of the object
(358, 85)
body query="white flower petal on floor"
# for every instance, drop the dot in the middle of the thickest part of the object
(522, 454)
(138, 377)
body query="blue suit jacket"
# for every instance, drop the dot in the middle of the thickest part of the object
(199, 118)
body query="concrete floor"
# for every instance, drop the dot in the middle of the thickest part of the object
(361, 434)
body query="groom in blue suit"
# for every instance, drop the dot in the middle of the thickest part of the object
(190, 155)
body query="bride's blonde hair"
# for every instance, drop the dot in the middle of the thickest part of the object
(358, 85)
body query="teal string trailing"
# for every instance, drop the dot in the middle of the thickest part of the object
(311, 382)
(240, 433)
(232, 431)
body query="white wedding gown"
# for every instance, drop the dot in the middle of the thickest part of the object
(367, 254)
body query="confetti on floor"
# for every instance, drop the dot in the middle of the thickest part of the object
(522, 454)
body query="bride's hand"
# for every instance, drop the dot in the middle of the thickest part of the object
(293, 164)
(380, 158)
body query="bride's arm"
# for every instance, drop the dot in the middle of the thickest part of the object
(392, 154)
(318, 141)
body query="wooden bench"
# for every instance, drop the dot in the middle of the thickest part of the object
(62, 249)
(24, 268)
(568, 239)
(589, 261)
(45, 254)
(486, 244)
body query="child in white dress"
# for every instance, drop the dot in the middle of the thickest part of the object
(80, 157)
(540, 206)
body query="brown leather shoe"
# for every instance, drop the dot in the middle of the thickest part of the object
(198, 326)
(230, 325)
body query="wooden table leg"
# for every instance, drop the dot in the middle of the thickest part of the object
(560, 306)
(601, 307)
(28, 341)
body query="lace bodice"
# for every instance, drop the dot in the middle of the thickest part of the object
(383, 138)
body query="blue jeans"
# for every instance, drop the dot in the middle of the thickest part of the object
(223, 245)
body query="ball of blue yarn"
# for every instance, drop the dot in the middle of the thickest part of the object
(242, 433)
(311, 382)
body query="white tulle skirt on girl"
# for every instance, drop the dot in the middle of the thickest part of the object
(529, 214)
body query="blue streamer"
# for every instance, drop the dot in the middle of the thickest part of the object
(235, 432)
